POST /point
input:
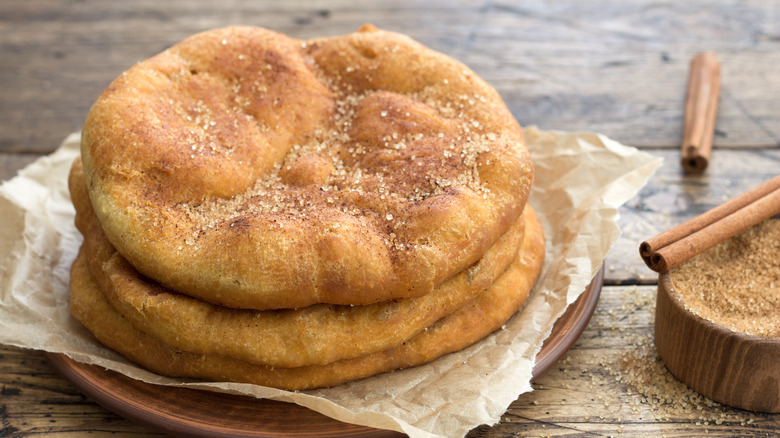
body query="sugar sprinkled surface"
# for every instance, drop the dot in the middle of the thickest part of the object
(736, 283)
(388, 175)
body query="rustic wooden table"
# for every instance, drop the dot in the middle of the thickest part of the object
(614, 67)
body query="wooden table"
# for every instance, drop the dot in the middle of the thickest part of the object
(614, 67)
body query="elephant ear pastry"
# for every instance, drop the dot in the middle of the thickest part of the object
(299, 214)
(317, 334)
(476, 319)
(252, 170)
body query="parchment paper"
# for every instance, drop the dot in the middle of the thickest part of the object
(581, 180)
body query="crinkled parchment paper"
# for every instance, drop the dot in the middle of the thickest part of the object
(581, 180)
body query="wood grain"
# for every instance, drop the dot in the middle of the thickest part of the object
(619, 68)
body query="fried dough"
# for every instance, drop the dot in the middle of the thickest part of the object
(484, 314)
(313, 335)
(253, 170)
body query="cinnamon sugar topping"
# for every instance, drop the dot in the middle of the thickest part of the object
(351, 153)
(425, 164)
(736, 283)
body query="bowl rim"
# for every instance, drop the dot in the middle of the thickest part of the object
(665, 278)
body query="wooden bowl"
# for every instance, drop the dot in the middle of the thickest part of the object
(732, 368)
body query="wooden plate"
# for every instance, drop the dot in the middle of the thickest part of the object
(568, 327)
(196, 413)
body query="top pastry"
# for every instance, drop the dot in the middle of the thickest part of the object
(254, 170)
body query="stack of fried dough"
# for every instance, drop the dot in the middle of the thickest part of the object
(298, 214)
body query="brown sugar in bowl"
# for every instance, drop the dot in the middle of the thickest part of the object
(727, 365)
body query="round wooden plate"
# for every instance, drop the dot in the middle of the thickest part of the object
(196, 413)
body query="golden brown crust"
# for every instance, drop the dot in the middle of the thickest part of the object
(486, 313)
(317, 334)
(254, 170)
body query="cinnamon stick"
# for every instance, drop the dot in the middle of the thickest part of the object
(678, 244)
(701, 107)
